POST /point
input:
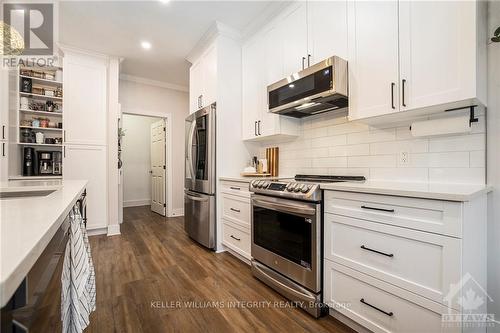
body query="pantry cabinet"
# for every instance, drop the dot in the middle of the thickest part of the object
(203, 80)
(4, 124)
(413, 55)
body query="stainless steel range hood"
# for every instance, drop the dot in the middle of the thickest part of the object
(316, 89)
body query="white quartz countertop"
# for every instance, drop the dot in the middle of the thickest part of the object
(248, 179)
(28, 224)
(449, 192)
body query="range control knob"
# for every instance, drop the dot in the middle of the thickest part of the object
(265, 185)
(298, 187)
(254, 183)
(306, 188)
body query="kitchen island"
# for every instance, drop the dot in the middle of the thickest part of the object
(28, 223)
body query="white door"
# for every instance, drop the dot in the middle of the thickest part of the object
(294, 29)
(158, 168)
(437, 52)
(253, 87)
(195, 81)
(373, 58)
(209, 83)
(327, 29)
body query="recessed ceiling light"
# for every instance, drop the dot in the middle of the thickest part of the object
(164, 1)
(146, 45)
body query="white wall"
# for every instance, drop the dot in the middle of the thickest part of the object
(328, 144)
(136, 156)
(146, 99)
(494, 164)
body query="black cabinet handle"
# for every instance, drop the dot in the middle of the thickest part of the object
(235, 188)
(3, 148)
(259, 127)
(255, 128)
(303, 62)
(308, 60)
(238, 239)
(3, 131)
(403, 91)
(390, 314)
(378, 252)
(235, 210)
(392, 94)
(380, 209)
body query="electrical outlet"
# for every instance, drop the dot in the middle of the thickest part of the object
(404, 158)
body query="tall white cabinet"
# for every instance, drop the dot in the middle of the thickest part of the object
(4, 124)
(415, 55)
(85, 123)
(203, 80)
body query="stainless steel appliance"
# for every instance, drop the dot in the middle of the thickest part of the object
(319, 88)
(45, 163)
(29, 161)
(287, 237)
(199, 184)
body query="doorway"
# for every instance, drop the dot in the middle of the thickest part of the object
(145, 169)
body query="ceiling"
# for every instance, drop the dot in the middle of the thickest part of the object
(173, 28)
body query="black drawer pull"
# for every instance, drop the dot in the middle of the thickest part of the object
(238, 239)
(235, 188)
(390, 314)
(235, 210)
(372, 250)
(381, 209)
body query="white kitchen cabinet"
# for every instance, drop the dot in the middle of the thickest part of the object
(396, 258)
(415, 56)
(373, 58)
(203, 80)
(294, 36)
(438, 52)
(85, 98)
(327, 30)
(90, 163)
(4, 124)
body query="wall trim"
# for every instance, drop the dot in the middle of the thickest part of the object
(97, 231)
(177, 212)
(154, 83)
(114, 229)
(136, 203)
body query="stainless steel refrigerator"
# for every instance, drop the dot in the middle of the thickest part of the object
(199, 183)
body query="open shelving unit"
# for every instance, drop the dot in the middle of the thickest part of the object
(44, 93)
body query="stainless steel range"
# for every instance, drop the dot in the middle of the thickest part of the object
(287, 237)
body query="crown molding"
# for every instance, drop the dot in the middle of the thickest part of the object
(215, 30)
(265, 17)
(155, 83)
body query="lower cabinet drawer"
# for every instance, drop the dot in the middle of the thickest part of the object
(424, 263)
(236, 239)
(379, 306)
(236, 209)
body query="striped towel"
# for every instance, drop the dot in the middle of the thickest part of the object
(78, 278)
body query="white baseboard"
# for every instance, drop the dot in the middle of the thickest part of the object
(97, 231)
(113, 229)
(177, 212)
(135, 203)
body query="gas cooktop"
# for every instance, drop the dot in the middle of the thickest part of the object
(301, 187)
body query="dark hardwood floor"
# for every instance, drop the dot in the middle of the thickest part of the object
(153, 278)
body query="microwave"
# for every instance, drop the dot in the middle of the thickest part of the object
(319, 88)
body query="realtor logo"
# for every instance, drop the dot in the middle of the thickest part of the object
(27, 29)
(472, 299)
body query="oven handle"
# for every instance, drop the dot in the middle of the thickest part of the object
(285, 208)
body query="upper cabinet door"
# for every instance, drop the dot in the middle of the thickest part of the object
(273, 60)
(294, 34)
(84, 100)
(195, 81)
(373, 58)
(437, 52)
(209, 84)
(253, 87)
(327, 29)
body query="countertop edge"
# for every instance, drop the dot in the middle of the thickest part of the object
(9, 284)
(437, 195)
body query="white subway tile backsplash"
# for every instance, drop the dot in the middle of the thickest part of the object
(457, 143)
(373, 161)
(330, 144)
(457, 175)
(395, 147)
(350, 150)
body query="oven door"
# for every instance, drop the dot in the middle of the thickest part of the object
(286, 238)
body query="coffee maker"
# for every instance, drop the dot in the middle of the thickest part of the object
(45, 163)
(57, 160)
(29, 162)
